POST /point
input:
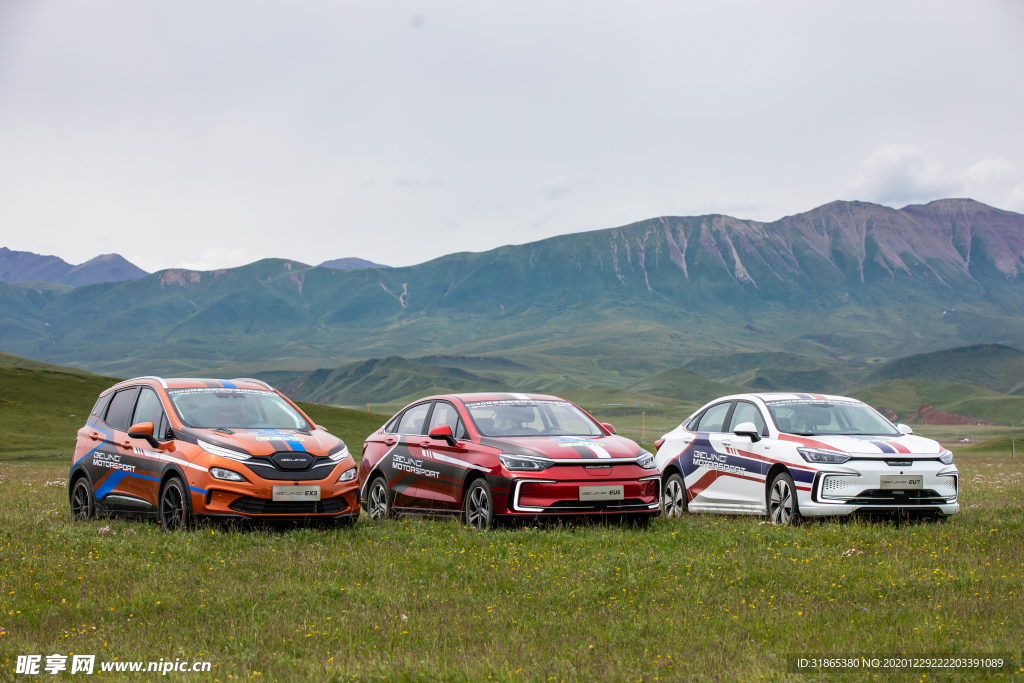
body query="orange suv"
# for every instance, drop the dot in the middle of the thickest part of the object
(181, 449)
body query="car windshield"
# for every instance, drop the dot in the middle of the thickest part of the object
(235, 409)
(531, 418)
(822, 418)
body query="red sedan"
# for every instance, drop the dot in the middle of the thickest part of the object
(490, 456)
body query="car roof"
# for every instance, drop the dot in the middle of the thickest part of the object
(499, 396)
(788, 396)
(196, 383)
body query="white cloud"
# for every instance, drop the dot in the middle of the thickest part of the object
(897, 175)
(221, 257)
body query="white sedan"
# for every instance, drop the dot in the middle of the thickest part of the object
(787, 455)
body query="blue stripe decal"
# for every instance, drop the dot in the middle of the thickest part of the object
(105, 436)
(193, 489)
(296, 445)
(882, 446)
(114, 479)
(228, 385)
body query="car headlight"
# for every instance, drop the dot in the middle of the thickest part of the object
(340, 455)
(946, 457)
(226, 475)
(821, 455)
(645, 460)
(347, 475)
(222, 452)
(519, 463)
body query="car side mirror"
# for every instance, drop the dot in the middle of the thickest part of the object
(747, 429)
(443, 432)
(608, 428)
(904, 429)
(143, 430)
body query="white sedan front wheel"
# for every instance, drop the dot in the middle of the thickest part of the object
(782, 505)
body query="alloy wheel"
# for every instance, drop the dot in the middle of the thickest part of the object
(378, 500)
(781, 503)
(478, 509)
(673, 501)
(80, 502)
(172, 508)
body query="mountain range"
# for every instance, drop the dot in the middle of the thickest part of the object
(24, 266)
(826, 293)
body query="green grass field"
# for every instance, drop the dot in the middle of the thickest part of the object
(705, 598)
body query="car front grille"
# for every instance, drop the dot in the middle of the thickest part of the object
(261, 506)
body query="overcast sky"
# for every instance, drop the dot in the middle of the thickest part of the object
(211, 134)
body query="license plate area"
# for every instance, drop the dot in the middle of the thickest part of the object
(902, 482)
(589, 493)
(295, 494)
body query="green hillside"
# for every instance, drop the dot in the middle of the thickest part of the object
(351, 426)
(684, 385)
(42, 410)
(779, 379)
(381, 380)
(905, 396)
(991, 366)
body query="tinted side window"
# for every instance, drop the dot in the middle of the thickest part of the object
(101, 404)
(121, 408)
(460, 431)
(149, 409)
(413, 419)
(444, 414)
(392, 426)
(713, 419)
(747, 412)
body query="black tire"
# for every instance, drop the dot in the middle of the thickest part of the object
(478, 507)
(83, 503)
(783, 507)
(673, 497)
(175, 506)
(378, 500)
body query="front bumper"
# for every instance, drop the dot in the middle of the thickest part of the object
(533, 496)
(225, 500)
(857, 487)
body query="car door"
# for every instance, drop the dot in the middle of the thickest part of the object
(706, 455)
(114, 467)
(741, 480)
(408, 468)
(450, 460)
(148, 408)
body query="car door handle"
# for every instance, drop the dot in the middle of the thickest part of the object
(390, 442)
(126, 444)
(95, 436)
(726, 442)
(424, 444)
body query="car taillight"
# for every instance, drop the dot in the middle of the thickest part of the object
(657, 445)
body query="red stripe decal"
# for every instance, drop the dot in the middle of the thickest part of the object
(900, 448)
(698, 487)
(810, 443)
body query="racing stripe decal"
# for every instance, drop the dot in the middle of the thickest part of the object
(228, 385)
(883, 446)
(114, 478)
(106, 437)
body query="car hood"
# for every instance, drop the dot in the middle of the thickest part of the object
(566, 447)
(270, 441)
(870, 445)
